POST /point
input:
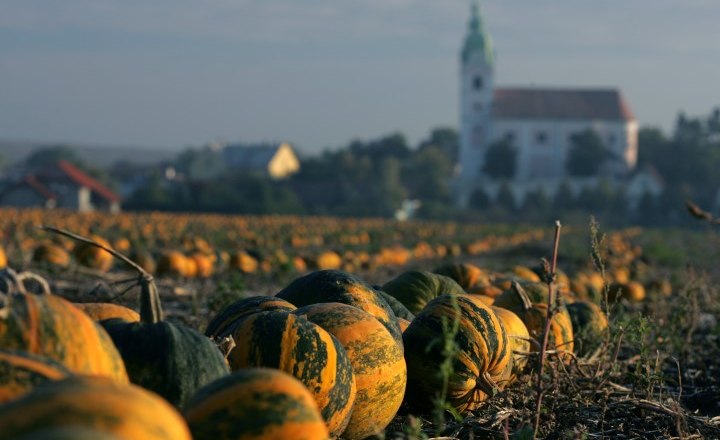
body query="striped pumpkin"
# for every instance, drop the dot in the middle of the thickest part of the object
(467, 275)
(518, 336)
(170, 359)
(223, 324)
(102, 311)
(255, 403)
(94, 403)
(377, 361)
(295, 345)
(20, 372)
(534, 314)
(69, 433)
(53, 327)
(416, 288)
(337, 286)
(397, 307)
(589, 325)
(484, 353)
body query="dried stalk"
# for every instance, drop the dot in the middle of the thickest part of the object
(546, 332)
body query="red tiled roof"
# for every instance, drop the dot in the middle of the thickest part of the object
(80, 178)
(537, 103)
(38, 187)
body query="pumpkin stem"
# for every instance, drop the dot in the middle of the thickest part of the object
(522, 294)
(486, 384)
(150, 307)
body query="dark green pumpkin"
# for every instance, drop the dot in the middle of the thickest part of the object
(223, 324)
(325, 286)
(415, 288)
(397, 307)
(169, 359)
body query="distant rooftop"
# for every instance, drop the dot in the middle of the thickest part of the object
(550, 103)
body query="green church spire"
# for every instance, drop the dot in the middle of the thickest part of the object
(477, 39)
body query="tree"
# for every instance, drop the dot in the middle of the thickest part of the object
(446, 140)
(500, 160)
(51, 154)
(506, 198)
(479, 199)
(564, 198)
(586, 155)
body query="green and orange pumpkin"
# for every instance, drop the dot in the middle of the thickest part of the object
(50, 326)
(478, 367)
(20, 372)
(376, 359)
(92, 404)
(255, 403)
(293, 344)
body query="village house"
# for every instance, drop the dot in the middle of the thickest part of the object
(277, 161)
(60, 185)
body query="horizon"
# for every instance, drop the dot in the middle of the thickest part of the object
(160, 75)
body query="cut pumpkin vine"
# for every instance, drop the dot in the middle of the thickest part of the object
(170, 359)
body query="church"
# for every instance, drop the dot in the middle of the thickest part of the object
(538, 122)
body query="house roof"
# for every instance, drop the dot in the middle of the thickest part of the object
(543, 103)
(251, 156)
(65, 169)
(38, 187)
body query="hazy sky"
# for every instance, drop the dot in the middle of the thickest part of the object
(173, 73)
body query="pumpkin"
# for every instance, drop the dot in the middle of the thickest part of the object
(518, 337)
(52, 254)
(204, 265)
(534, 315)
(255, 403)
(376, 359)
(169, 359)
(172, 263)
(295, 345)
(337, 286)
(50, 326)
(397, 307)
(3, 258)
(511, 300)
(224, 323)
(403, 323)
(244, 262)
(477, 368)
(526, 273)
(416, 288)
(144, 259)
(69, 433)
(20, 372)
(487, 300)
(467, 275)
(92, 256)
(589, 325)
(632, 291)
(94, 403)
(102, 311)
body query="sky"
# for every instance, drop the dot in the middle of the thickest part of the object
(319, 73)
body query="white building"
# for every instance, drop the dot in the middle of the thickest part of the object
(538, 121)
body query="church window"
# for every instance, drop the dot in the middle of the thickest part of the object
(541, 137)
(478, 82)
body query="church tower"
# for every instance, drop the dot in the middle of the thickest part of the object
(477, 62)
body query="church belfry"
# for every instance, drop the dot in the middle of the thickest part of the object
(477, 61)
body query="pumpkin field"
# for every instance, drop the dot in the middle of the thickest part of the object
(178, 326)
